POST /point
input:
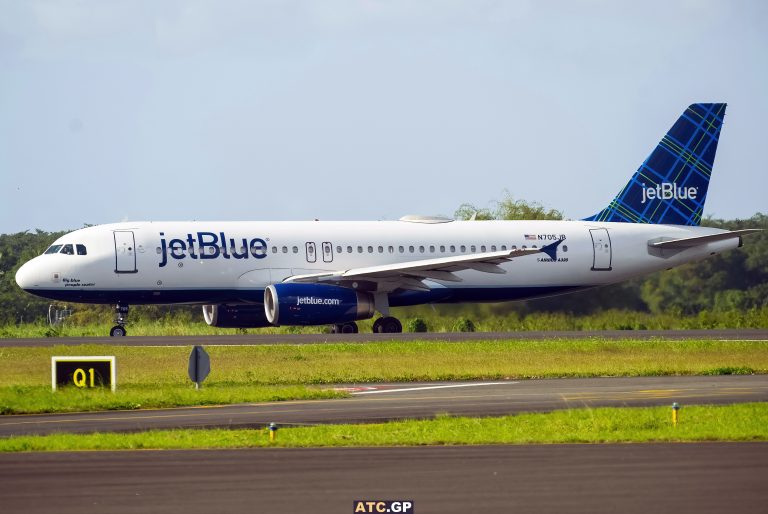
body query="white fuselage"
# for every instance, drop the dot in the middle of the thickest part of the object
(186, 262)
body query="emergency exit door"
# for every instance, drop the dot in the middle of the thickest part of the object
(311, 252)
(601, 247)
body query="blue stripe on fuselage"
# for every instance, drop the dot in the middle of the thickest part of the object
(214, 296)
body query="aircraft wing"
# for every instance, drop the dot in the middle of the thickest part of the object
(410, 274)
(688, 242)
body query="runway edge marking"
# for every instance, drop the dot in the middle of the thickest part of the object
(425, 388)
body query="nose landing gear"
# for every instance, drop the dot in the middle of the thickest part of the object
(121, 316)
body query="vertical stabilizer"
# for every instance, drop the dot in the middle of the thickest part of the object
(670, 187)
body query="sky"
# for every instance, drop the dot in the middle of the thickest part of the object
(363, 110)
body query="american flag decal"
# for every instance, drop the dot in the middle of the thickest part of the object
(530, 237)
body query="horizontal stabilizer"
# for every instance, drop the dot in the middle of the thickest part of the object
(688, 242)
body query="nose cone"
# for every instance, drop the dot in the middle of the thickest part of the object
(25, 276)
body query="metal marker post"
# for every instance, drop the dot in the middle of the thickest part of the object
(199, 365)
(675, 408)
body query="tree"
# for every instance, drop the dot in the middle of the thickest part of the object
(508, 209)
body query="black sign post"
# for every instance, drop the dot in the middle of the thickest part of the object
(83, 372)
(199, 365)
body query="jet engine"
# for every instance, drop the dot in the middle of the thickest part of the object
(315, 304)
(235, 316)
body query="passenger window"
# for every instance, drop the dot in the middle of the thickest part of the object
(67, 250)
(524, 247)
(514, 247)
(453, 249)
(81, 250)
(381, 249)
(370, 249)
(285, 249)
(442, 248)
(493, 248)
(411, 249)
(295, 249)
(158, 250)
(482, 248)
(401, 249)
(463, 248)
(473, 248)
(421, 249)
(349, 249)
(359, 249)
(274, 249)
(391, 249)
(503, 247)
(56, 248)
(431, 249)
(565, 248)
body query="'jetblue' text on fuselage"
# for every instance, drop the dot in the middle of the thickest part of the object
(210, 245)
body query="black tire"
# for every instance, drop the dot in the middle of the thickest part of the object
(387, 325)
(118, 331)
(349, 328)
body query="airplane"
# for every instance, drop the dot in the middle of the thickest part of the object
(273, 273)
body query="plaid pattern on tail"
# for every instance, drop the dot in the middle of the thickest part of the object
(670, 187)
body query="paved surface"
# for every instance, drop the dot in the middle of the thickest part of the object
(257, 339)
(396, 401)
(627, 478)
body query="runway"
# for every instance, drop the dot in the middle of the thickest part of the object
(627, 478)
(263, 339)
(383, 402)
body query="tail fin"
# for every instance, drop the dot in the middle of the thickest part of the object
(671, 185)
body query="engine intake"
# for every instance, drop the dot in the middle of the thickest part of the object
(315, 304)
(235, 316)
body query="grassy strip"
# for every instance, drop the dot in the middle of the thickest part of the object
(401, 361)
(40, 399)
(89, 321)
(741, 422)
(157, 377)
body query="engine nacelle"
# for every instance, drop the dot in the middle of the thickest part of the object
(315, 304)
(235, 316)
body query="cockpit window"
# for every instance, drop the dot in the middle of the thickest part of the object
(81, 250)
(68, 250)
(53, 249)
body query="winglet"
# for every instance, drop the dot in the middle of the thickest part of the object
(551, 249)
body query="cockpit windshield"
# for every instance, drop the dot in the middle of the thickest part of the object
(68, 249)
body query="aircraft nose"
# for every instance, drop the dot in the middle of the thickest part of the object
(25, 276)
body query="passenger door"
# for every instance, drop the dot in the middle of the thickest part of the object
(601, 247)
(125, 252)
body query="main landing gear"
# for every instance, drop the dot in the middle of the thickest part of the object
(344, 328)
(383, 325)
(387, 325)
(121, 316)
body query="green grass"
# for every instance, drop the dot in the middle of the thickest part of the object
(91, 321)
(40, 399)
(157, 376)
(742, 422)
(401, 361)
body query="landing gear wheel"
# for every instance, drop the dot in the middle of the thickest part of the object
(345, 328)
(121, 316)
(387, 325)
(118, 331)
